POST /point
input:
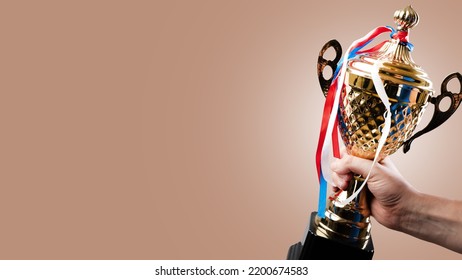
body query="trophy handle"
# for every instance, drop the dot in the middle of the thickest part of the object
(322, 63)
(439, 116)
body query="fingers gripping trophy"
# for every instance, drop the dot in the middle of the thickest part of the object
(375, 99)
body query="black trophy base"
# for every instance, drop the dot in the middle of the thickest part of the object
(321, 248)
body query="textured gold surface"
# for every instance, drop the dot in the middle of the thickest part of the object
(362, 116)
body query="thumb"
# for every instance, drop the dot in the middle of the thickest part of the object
(349, 164)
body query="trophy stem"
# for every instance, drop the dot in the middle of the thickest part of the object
(343, 233)
(349, 223)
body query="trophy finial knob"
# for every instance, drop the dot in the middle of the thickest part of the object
(406, 18)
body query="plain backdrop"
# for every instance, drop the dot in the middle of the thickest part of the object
(187, 129)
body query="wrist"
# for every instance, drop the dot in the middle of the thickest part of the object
(406, 213)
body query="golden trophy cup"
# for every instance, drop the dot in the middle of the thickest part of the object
(343, 230)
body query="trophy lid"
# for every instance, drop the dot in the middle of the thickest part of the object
(394, 59)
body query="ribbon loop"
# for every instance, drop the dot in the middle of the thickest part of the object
(403, 37)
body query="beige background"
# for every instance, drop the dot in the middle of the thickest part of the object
(187, 129)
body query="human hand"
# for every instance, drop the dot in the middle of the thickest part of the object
(391, 193)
